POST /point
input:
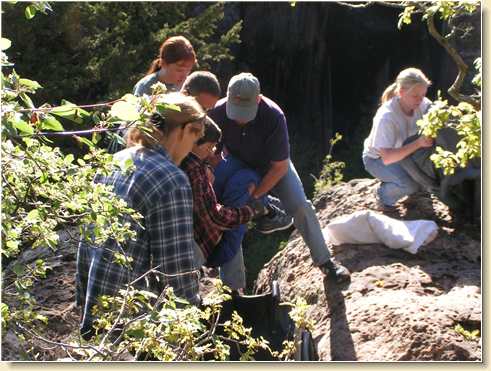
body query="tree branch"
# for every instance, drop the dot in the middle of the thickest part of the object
(390, 4)
(63, 345)
(454, 90)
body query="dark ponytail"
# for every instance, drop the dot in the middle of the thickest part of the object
(154, 66)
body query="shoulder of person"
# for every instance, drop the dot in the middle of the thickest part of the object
(270, 106)
(145, 79)
(387, 111)
(270, 113)
(159, 169)
(219, 110)
(191, 163)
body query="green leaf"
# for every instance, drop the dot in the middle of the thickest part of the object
(165, 106)
(5, 43)
(50, 123)
(18, 269)
(84, 141)
(69, 159)
(13, 246)
(64, 110)
(22, 126)
(125, 111)
(70, 111)
(30, 84)
(42, 318)
(130, 98)
(30, 12)
(26, 100)
(138, 333)
(33, 216)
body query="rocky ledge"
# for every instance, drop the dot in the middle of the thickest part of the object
(398, 306)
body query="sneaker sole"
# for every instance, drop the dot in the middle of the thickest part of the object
(276, 229)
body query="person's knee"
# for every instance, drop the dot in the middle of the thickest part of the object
(236, 190)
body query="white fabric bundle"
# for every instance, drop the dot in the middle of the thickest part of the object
(364, 227)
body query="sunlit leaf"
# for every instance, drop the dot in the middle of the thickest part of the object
(5, 43)
(22, 126)
(125, 111)
(84, 141)
(30, 12)
(50, 123)
(33, 216)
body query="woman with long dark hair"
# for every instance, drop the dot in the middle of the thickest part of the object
(175, 62)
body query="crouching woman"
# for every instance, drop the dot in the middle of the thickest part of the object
(402, 104)
(161, 193)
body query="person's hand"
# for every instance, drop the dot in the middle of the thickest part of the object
(257, 207)
(425, 142)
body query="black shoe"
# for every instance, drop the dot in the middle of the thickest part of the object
(336, 271)
(276, 220)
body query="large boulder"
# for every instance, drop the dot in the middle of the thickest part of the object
(398, 306)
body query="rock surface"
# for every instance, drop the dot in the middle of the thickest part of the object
(398, 306)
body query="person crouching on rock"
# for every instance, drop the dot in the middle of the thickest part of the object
(255, 137)
(402, 104)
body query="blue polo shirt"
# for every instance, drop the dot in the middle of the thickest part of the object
(258, 142)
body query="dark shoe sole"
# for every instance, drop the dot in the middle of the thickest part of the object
(282, 228)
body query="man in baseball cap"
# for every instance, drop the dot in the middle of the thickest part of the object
(243, 96)
(255, 136)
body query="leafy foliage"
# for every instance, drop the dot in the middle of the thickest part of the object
(446, 10)
(466, 121)
(465, 117)
(332, 171)
(126, 36)
(468, 335)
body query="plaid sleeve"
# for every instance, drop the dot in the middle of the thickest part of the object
(207, 207)
(170, 229)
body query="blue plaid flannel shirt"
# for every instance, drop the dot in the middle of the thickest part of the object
(161, 192)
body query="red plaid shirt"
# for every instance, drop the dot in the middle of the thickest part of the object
(210, 218)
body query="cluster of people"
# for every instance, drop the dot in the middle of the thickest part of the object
(203, 172)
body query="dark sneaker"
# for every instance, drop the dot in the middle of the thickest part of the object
(276, 220)
(336, 271)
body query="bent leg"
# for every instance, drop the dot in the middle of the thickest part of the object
(396, 183)
(224, 171)
(232, 273)
(292, 195)
(235, 194)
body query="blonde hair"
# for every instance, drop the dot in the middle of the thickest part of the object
(406, 79)
(166, 120)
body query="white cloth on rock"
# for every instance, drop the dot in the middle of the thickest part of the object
(365, 227)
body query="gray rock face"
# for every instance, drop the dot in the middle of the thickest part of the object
(398, 307)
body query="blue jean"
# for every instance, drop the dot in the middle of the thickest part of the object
(232, 179)
(292, 196)
(232, 273)
(396, 182)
